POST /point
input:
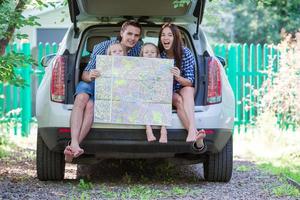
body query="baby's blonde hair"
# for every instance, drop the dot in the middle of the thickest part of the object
(150, 43)
(108, 51)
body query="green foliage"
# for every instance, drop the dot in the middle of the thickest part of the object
(180, 3)
(243, 168)
(286, 190)
(255, 21)
(179, 191)
(4, 142)
(290, 169)
(8, 63)
(141, 192)
(11, 18)
(281, 94)
(85, 185)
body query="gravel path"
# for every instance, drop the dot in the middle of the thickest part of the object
(132, 180)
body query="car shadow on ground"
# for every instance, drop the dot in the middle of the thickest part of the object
(140, 171)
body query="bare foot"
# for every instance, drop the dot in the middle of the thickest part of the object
(163, 135)
(200, 136)
(149, 133)
(77, 151)
(192, 135)
(68, 154)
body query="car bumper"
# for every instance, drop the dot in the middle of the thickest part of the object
(112, 143)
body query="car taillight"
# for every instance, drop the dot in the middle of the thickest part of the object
(58, 80)
(214, 93)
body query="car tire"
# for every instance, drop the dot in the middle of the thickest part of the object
(50, 165)
(218, 167)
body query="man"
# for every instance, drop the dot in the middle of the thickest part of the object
(83, 108)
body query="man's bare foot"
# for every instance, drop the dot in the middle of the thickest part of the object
(68, 154)
(192, 135)
(149, 133)
(200, 136)
(163, 135)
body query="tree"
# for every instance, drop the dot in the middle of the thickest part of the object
(11, 18)
(262, 21)
(254, 21)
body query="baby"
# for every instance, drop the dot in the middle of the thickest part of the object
(150, 50)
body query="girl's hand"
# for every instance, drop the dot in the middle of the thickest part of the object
(94, 73)
(176, 72)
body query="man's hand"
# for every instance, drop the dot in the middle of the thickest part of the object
(94, 73)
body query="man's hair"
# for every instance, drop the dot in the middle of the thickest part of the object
(129, 23)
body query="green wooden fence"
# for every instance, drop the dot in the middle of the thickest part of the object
(16, 103)
(244, 65)
(245, 70)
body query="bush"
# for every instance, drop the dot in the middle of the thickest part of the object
(280, 93)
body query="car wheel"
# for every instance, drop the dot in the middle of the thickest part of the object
(50, 165)
(218, 167)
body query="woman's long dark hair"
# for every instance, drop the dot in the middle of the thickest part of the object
(177, 43)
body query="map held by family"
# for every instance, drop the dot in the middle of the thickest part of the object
(133, 90)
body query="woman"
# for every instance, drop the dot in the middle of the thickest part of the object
(170, 46)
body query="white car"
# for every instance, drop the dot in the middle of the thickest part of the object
(95, 21)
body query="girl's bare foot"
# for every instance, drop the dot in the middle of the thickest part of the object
(192, 135)
(149, 133)
(163, 135)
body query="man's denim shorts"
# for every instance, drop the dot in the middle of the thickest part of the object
(84, 87)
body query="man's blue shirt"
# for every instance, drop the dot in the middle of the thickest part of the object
(101, 48)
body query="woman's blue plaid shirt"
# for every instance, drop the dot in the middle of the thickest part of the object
(187, 67)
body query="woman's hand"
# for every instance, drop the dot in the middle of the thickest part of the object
(94, 73)
(176, 72)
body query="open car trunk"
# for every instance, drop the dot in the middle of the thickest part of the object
(157, 11)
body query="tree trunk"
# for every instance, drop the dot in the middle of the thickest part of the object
(11, 27)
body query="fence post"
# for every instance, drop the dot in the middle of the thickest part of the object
(26, 93)
(47, 49)
(245, 81)
(239, 104)
(40, 72)
(54, 47)
(15, 94)
(232, 62)
(252, 81)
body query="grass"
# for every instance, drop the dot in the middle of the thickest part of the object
(289, 170)
(273, 150)
(286, 190)
(85, 185)
(243, 168)
(5, 146)
(144, 192)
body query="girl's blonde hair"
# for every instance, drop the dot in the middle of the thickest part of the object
(150, 43)
(108, 51)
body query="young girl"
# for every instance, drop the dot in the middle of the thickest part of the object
(150, 50)
(73, 150)
(170, 46)
(116, 49)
